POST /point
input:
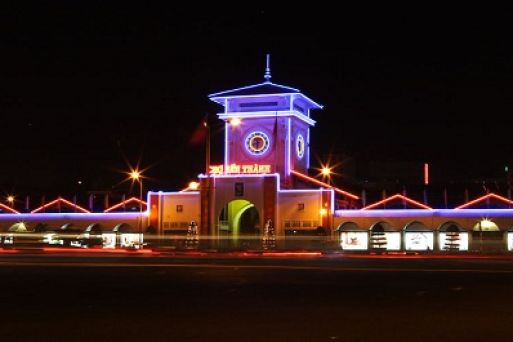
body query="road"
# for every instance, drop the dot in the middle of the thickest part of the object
(58, 297)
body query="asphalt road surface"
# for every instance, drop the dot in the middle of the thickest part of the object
(250, 298)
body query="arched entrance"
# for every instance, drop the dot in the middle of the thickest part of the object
(239, 217)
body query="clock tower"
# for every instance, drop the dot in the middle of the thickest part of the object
(267, 128)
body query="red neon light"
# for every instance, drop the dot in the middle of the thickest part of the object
(60, 199)
(5, 207)
(396, 196)
(96, 250)
(131, 199)
(318, 182)
(426, 173)
(485, 197)
(291, 254)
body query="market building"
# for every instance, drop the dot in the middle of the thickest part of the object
(263, 185)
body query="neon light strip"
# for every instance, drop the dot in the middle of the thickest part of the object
(318, 182)
(320, 106)
(397, 196)
(426, 173)
(132, 199)
(5, 207)
(219, 94)
(332, 202)
(70, 216)
(225, 145)
(239, 175)
(265, 114)
(174, 192)
(418, 213)
(219, 99)
(308, 150)
(60, 199)
(303, 190)
(214, 177)
(482, 198)
(288, 150)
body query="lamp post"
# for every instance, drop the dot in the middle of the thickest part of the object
(136, 176)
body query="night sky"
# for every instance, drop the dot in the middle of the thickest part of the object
(84, 88)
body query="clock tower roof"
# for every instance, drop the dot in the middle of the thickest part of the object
(266, 88)
(263, 88)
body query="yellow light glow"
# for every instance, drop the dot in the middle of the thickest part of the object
(326, 171)
(485, 225)
(193, 185)
(10, 199)
(323, 211)
(135, 175)
(235, 122)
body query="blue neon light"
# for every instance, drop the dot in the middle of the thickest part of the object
(372, 213)
(263, 114)
(72, 216)
(221, 93)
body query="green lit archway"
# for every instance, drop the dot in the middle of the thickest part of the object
(239, 217)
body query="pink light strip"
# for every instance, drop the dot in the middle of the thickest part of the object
(483, 198)
(62, 200)
(318, 182)
(397, 196)
(5, 207)
(426, 174)
(131, 199)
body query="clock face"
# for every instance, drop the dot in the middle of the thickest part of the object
(257, 143)
(300, 146)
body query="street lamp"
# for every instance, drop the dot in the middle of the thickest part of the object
(136, 176)
(326, 173)
(193, 186)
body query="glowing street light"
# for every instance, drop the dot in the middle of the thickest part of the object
(326, 173)
(194, 185)
(235, 122)
(10, 199)
(136, 176)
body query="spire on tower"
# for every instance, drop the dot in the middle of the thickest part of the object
(267, 75)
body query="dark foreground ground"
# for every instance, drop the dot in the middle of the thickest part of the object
(143, 298)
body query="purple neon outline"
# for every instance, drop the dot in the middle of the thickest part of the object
(267, 113)
(308, 141)
(220, 94)
(173, 193)
(288, 147)
(225, 145)
(313, 104)
(70, 216)
(356, 213)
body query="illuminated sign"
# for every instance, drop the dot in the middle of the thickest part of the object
(354, 240)
(236, 168)
(459, 241)
(418, 241)
(510, 241)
